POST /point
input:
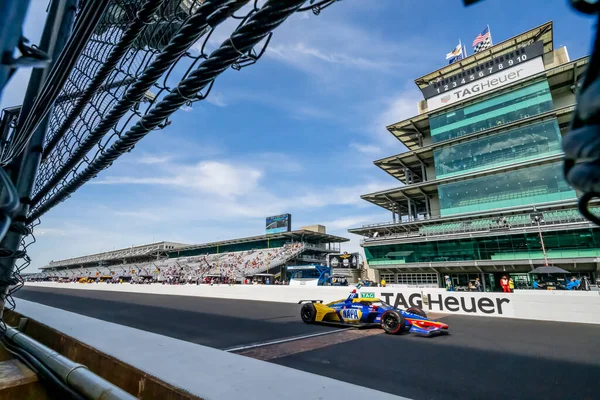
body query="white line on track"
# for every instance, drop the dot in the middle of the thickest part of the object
(291, 339)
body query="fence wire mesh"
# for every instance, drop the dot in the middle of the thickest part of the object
(172, 45)
(151, 40)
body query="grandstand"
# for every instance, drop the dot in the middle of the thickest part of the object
(123, 256)
(235, 259)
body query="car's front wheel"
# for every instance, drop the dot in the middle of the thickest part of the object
(308, 312)
(392, 322)
(417, 311)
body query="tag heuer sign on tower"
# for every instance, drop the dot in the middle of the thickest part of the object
(345, 260)
(501, 71)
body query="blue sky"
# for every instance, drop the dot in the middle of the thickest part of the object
(295, 133)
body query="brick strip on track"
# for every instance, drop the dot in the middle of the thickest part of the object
(273, 351)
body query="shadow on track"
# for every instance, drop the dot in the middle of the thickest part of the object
(218, 323)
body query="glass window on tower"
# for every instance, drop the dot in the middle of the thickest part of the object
(538, 184)
(521, 246)
(502, 109)
(517, 145)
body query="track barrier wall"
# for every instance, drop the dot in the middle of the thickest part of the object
(582, 307)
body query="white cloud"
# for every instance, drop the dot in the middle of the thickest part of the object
(231, 190)
(216, 99)
(208, 176)
(186, 108)
(399, 108)
(340, 195)
(153, 159)
(293, 53)
(365, 148)
(295, 108)
(49, 232)
(139, 215)
(330, 44)
(390, 111)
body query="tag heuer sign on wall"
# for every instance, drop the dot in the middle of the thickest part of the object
(506, 77)
(345, 260)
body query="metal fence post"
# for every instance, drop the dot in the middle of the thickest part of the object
(24, 168)
(12, 15)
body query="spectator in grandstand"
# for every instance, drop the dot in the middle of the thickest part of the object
(585, 284)
(511, 285)
(383, 283)
(448, 283)
(478, 285)
(504, 284)
(536, 284)
(573, 284)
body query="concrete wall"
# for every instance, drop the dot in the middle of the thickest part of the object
(431, 172)
(583, 307)
(557, 57)
(563, 97)
(434, 205)
(315, 228)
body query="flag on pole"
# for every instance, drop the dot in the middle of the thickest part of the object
(483, 40)
(456, 54)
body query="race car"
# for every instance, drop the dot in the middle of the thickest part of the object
(370, 312)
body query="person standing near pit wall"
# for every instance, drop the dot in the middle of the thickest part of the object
(504, 284)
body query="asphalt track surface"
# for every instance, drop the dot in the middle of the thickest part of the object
(482, 358)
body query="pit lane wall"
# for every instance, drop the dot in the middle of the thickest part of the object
(582, 307)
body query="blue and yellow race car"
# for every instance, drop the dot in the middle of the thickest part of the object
(369, 312)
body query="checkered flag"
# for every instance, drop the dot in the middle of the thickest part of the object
(482, 41)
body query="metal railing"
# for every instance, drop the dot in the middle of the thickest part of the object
(474, 227)
(76, 376)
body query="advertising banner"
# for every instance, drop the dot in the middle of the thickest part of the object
(441, 301)
(500, 79)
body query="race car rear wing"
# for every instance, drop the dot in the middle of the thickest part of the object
(310, 301)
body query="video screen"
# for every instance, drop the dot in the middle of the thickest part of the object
(279, 223)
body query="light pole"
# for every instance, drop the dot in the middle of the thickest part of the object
(537, 218)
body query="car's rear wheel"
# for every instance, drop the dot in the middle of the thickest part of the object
(392, 322)
(418, 311)
(308, 312)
